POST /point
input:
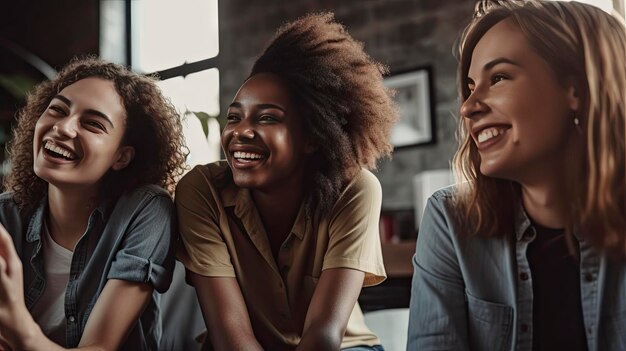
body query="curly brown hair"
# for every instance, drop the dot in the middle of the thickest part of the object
(345, 107)
(153, 128)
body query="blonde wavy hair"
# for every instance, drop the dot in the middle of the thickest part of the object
(153, 128)
(581, 43)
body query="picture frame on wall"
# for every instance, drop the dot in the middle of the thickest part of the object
(415, 99)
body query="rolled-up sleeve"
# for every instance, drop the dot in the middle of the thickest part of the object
(146, 253)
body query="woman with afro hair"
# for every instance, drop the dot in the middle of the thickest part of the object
(279, 239)
(88, 212)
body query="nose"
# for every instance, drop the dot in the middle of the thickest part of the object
(473, 106)
(243, 131)
(67, 127)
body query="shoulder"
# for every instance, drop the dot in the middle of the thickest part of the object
(444, 195)
(212, 175)
(441, 204)
(205, 189)
(6, 200)
(8, 207)
(363, 191)
(145, 197)
(146, 192)
(364, 181)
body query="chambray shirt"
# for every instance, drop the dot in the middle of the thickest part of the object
(130, 240)
(476, 293)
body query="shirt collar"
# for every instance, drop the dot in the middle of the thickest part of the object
(241, 198)
(522, 222)
(35, 225)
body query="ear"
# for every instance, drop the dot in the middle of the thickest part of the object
(573, 96)
(125, 155)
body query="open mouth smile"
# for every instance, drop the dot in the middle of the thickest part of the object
(247, 159)
(59, 152)
(247, 156)
(490, 133)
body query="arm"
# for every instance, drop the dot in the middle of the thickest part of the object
(225, 314)
(115, 312)
(207, 260)
(353, 259)
(333, 301)
(438, 312)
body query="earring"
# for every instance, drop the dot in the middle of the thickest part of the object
(577, 124)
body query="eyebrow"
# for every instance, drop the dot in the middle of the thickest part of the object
(259, 106)
(89, 111)
(489, 65)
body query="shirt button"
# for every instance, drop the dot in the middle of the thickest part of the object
(523, 276)
(589, 277)
(71, 319)
(524, 328)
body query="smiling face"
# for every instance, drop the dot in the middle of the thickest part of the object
(519, 115)
(263, 139)
(78, 137)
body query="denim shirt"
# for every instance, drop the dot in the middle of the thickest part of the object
(476, 293)
(130, 240)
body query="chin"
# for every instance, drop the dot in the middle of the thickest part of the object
(492, 171)
(243, 181)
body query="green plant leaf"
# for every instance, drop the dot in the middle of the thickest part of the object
(204, 118)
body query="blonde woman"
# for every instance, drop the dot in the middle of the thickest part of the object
(528, 252)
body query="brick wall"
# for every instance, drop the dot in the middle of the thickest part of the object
(400, 33)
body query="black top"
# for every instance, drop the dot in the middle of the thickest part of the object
(557, 308)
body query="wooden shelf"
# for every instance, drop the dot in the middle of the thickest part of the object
(397, 258)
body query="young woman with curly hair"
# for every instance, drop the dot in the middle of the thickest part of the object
(528, 252)
(279, 239)
(88, 212)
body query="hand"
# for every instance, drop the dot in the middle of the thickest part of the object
(4, 345)
(12, 306)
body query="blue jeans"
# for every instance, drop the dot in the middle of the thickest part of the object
(364, 348)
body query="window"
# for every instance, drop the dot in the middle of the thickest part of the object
(179, 41)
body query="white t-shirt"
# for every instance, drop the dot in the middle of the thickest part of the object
(49, 311)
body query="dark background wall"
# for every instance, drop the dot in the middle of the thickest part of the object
(403, 34)
(53, 30)
(400, 33)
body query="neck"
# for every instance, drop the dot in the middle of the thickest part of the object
(68, 214)
(546, 206)
(547, 198)
(551, 185)
(278, 204)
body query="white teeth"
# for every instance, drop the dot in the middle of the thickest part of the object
(247, 155)
(58, 150)
(489, 133)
